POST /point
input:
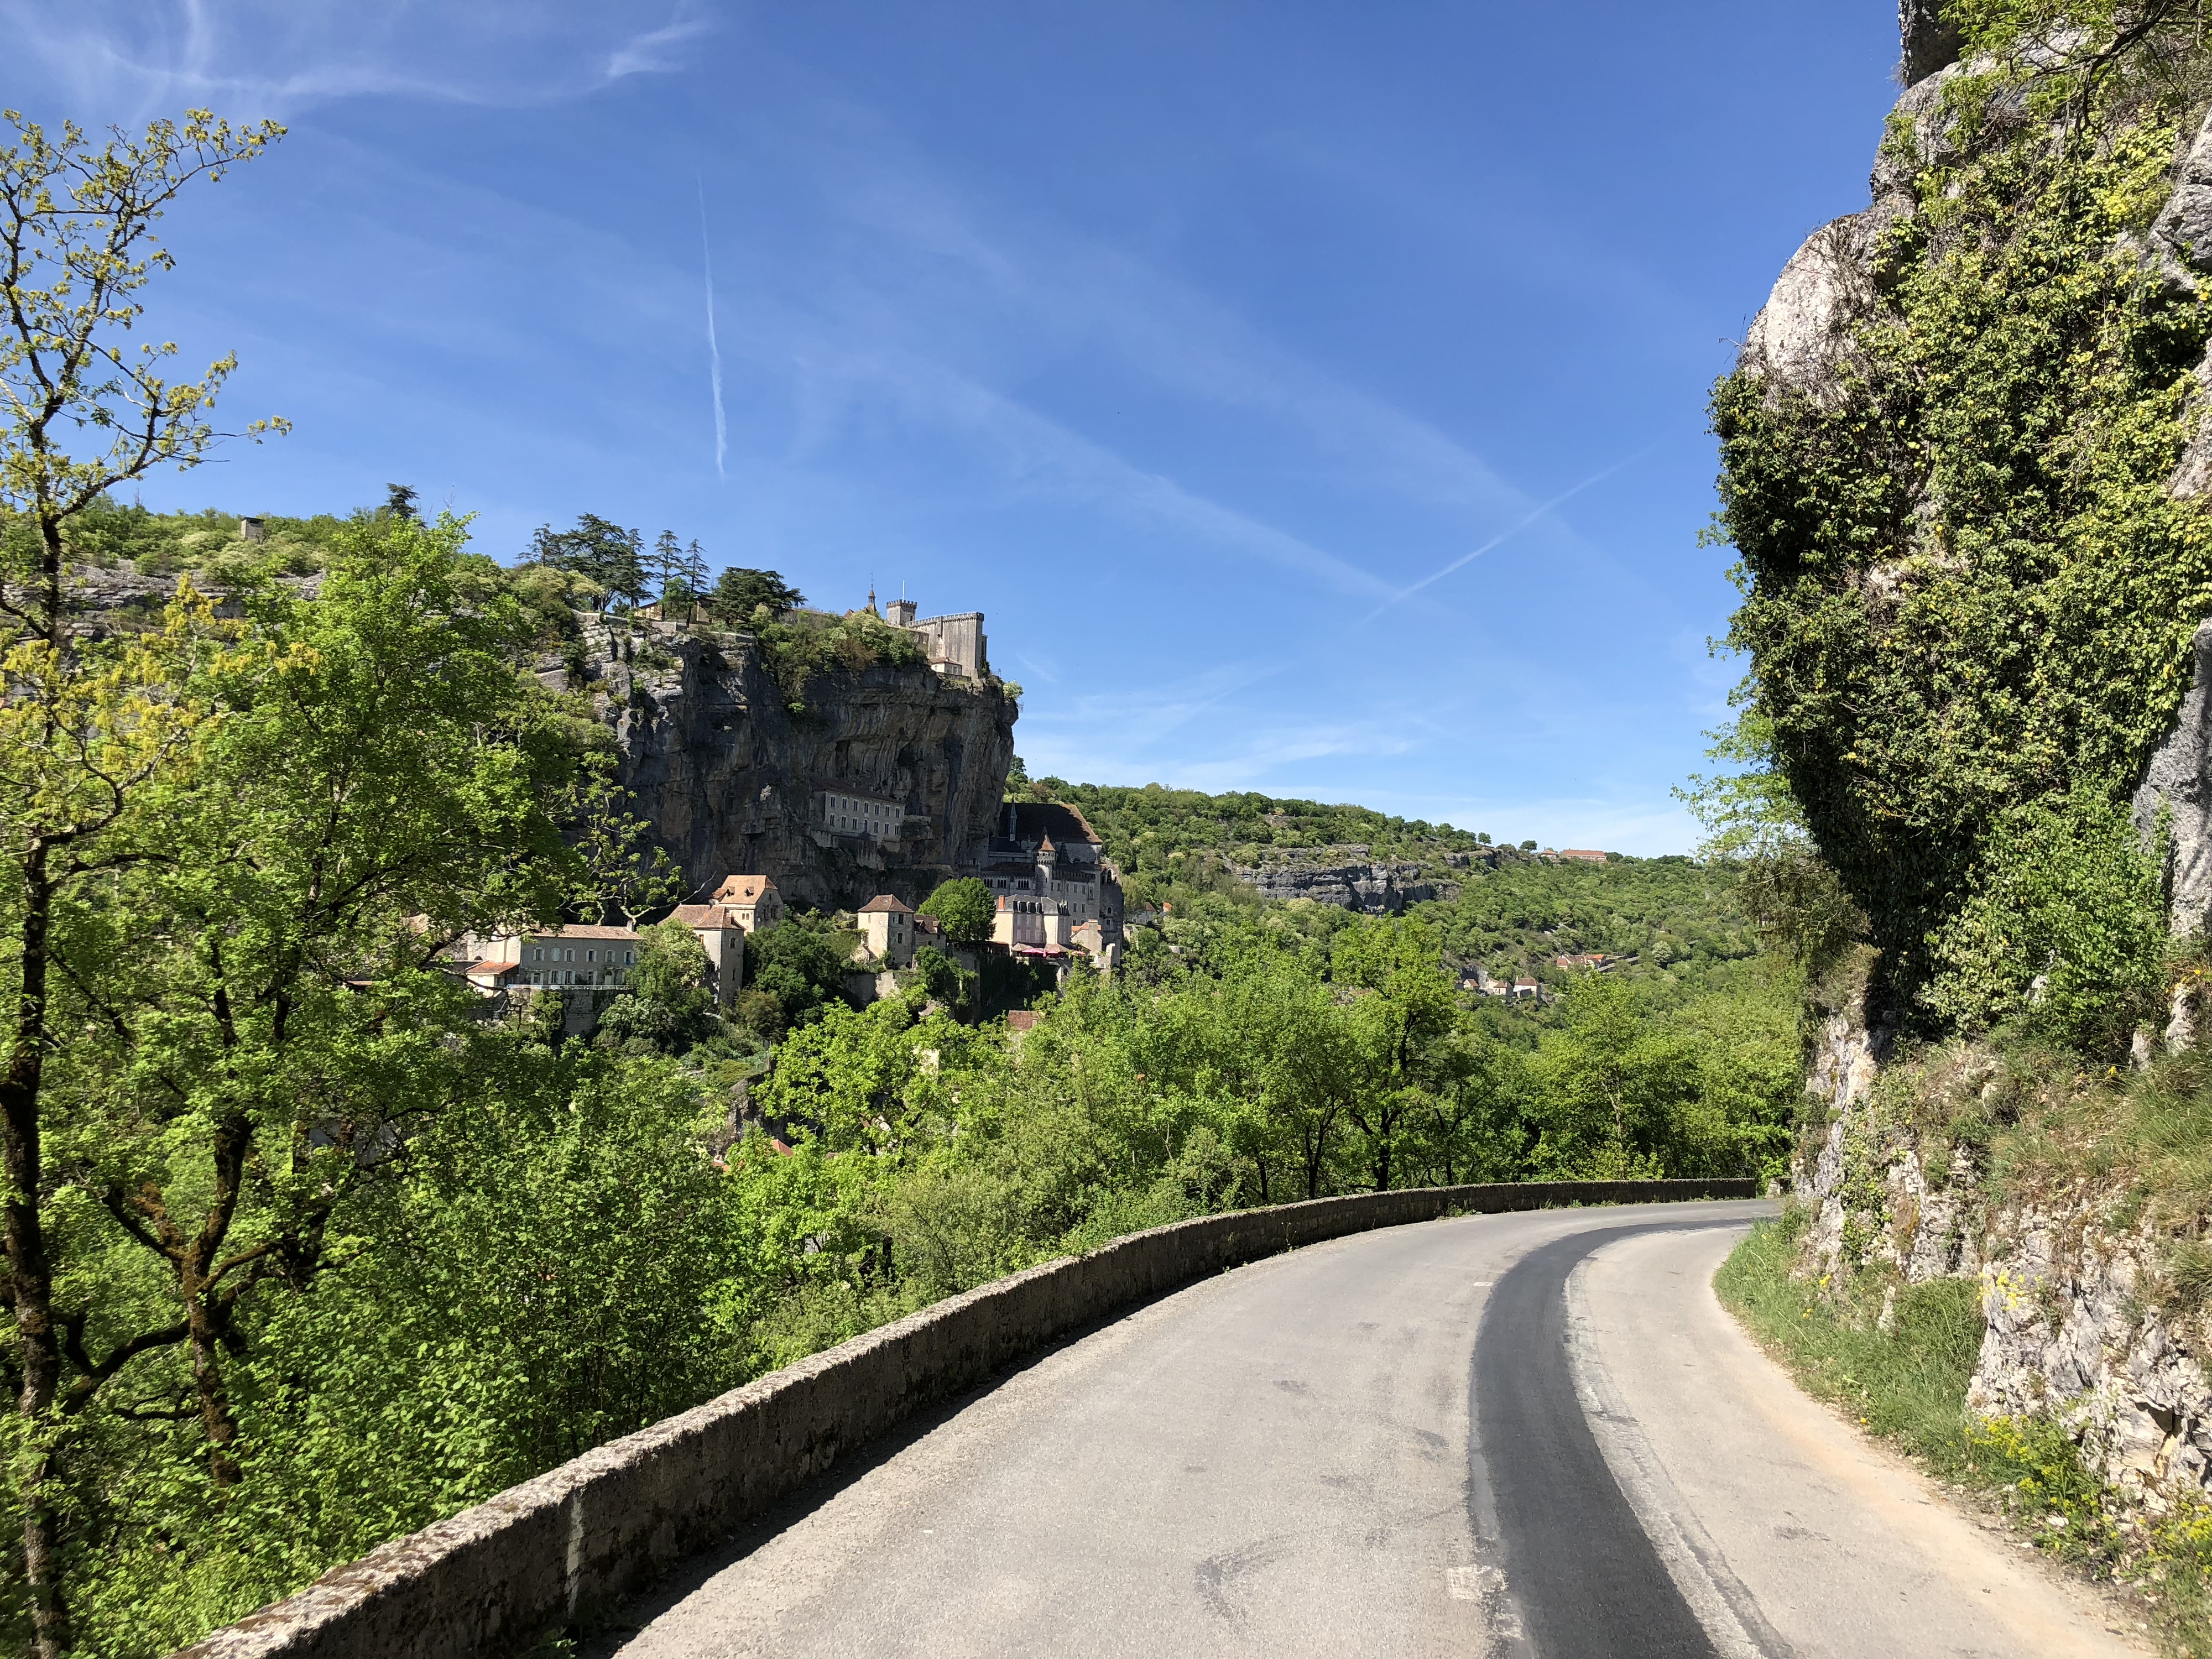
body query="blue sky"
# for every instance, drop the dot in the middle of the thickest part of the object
(1204, 346)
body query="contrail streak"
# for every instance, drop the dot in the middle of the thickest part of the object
(1508, 533)
(713, 350)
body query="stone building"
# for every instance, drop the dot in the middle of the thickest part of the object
(752, 899)
(1031, 925)
(589, 957)
(887, 931)
(724, 935)
(580, 955)
(955, 643)
(842, 812)
(1045, 850)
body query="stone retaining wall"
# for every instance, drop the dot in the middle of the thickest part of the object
(579, 1541)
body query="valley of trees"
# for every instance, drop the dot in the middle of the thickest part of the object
(305, 1252)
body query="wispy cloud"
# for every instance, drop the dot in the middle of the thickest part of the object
(714, 347)
(119, 60)
(1542, 510)
(653, 52)
(1033, 451)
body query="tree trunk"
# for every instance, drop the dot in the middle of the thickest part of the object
(31, 1280)
(208, 1320)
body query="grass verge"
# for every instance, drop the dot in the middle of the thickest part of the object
(1898, 1357)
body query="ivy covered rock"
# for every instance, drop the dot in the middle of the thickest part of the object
(1955, 466)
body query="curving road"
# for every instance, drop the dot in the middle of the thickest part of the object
(1531, 1435)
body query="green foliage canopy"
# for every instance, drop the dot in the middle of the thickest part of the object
(965, 908)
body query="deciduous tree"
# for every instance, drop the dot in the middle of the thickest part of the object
(87, 729)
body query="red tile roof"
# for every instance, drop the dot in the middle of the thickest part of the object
(703, 916)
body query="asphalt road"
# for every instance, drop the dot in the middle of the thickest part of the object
(1533, 1435)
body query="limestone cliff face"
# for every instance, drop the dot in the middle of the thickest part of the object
(1347, 877)
(729, 775)
(2073, 1325)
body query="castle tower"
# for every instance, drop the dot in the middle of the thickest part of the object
(900, 612)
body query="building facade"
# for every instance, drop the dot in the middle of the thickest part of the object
(887, 931)
(724, 937)
(843, 813)
(1045, 850)
(752, 899)
(955, 644)
(585, 957)
(578, 955)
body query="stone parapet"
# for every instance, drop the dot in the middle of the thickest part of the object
(577, 1542)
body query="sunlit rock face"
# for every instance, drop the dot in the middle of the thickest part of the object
(1346, 878)
(731, 777)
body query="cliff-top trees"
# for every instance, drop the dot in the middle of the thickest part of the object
(738, 592)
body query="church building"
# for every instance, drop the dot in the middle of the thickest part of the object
(1046, 863)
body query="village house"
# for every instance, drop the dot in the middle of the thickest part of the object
(1581, 854)
(1596, 961)
(581, 954)
(588, 957)
(752, 899)
(724, 937)
(887, 931)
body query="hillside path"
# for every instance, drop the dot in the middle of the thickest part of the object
(1530, 1435)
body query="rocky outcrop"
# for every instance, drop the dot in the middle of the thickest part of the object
(1881, 1194)
(728, 773)
(2175, 799)
(2072, 1326)
(2076, 1322)
(1929, 43)
(1346, 878)
(724, 769)
(2079, 1319)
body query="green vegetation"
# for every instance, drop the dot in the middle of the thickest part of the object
(1147, 830)
(1968, 596)
(964, 907)
(1681, 918)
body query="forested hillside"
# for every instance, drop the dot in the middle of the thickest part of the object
(1145, 827)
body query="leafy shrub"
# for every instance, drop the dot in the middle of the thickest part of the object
(2063, 928)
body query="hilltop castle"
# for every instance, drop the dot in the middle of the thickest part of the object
(956, 642)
